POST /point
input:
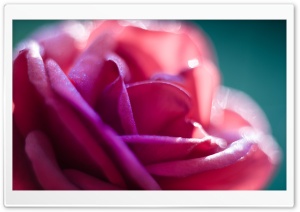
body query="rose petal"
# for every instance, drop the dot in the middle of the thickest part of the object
(184, 168)
(73, 123)
(140, 64)
(27, 111)
(252, 172)
(155, 149)
(176, 48)
(232, 109)
(98, 27)
(75, 138)
(61, 42)
(158, 106)
(234, 115)
(115, 109)
(88, 182)
(201, 82)
(23, 175)
(120, 153)
(90, 75)
(113, 105)
(44, 164)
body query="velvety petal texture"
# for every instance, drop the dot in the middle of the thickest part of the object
(230, 155)
(23, 175)
(132, 105)
(44, 163)
(157, 106)
(153, 149)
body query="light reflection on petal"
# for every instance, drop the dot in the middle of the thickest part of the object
(193, 63)
(35, 50)
(219, 141)
(251, 134)
(265, 142)
(269, 146)
(79, 31)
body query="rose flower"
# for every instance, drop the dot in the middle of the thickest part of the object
(119, 105)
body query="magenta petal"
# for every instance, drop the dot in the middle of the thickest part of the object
(75, 137)
(251, 172)
(184, 168)
(115, 109)
(36, 70)
(88, 74)
(44, 163)
(88, 182)
(27, 111)
(238, 112)
(157, 149)
(73, 123)
(23, 175)
(113, 104)
(140, 64)
(201, 81)
(120, 153)
(157, 106)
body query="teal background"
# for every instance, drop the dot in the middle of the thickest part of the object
(251, 56)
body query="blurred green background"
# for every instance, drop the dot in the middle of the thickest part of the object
(251, 56)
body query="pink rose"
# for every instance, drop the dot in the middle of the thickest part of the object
(132, 105)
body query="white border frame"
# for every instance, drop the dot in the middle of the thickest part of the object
(147, 198)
